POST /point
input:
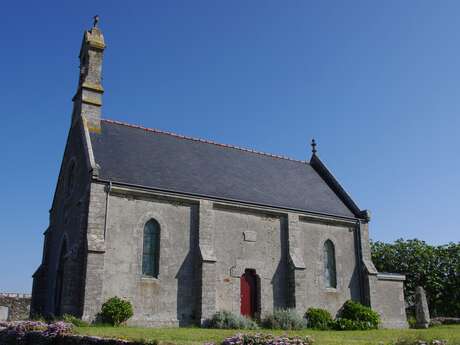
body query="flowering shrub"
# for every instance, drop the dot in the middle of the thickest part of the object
(20, 329)
(266, 339)
(420, 342)
(284, 319)
(58, 328)
(227, 320)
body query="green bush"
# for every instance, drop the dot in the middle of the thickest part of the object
(318, 318)
(116, 311)
(364, 317)
(227, 320)
(433, 267)
(74, 320)
(284, 319)
(341, 324)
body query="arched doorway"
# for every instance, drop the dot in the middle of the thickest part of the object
(248, 290)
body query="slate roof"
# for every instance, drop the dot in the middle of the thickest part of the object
(165, 161)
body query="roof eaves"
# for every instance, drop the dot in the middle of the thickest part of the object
(335, 185)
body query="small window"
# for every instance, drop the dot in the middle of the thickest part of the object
(329, 265)
(151, 251)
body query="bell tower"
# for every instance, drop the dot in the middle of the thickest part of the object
(88, 98)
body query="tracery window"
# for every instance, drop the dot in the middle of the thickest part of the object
(329, 265)
(151, 249)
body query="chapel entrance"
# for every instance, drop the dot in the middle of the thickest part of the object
(248, 290)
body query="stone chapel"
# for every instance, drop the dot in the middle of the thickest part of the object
(185, 227)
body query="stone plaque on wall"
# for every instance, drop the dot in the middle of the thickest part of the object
(250, 236)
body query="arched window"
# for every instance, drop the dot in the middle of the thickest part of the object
(329, 265)
(151, 251)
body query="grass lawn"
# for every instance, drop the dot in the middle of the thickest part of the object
(195, 336)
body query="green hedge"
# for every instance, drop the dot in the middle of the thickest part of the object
(353, 316)
(363, 316)
(318, 318)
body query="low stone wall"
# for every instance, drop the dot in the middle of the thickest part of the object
(388, 300)
(14, 306)
(445, 321)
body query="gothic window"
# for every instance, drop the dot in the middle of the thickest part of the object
(151, 250)
(329, 265)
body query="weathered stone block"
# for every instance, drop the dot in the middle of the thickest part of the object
(422, 313)
(4, 313)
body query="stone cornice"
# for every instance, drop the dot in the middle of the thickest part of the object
(120, 188)
(93, 87)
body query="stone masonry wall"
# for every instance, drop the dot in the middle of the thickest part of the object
(16, 305)
(65, 242)
(206, 247)
(388, 300)
(250, 240)
(170, 299)
(348, 287)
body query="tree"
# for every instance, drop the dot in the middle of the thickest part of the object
(436, 268)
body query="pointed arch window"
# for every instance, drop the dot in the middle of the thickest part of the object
(151, 249)
(329, 265)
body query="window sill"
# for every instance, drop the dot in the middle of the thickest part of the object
(150, 279)
(331, 290)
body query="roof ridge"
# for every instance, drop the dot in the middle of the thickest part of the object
(155, 130)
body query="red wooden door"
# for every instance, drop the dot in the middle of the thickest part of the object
(248, 293)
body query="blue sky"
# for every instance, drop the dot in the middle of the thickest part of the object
(376, 83)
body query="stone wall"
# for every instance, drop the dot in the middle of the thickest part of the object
(14, 306)
(171, 298)
(65, 239)
(206, 247)
(387, 298)
(250, 240)
(316, 293)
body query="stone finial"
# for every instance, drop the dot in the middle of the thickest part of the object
(422, 313)
(313, 146)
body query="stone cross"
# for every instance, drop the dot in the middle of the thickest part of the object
(422, 314)
(95, 21)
